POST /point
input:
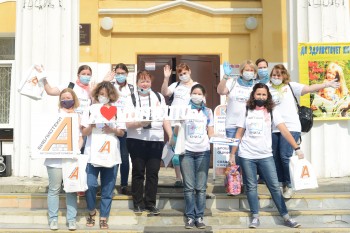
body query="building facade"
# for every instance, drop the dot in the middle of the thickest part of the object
(143, 35)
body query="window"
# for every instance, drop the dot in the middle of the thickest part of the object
(7, 56)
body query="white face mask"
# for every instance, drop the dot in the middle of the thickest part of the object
(248, 75)
(197, 99)
(102, 99)
(276, 81)
(184, 78)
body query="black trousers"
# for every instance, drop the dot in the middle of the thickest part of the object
(145, 157)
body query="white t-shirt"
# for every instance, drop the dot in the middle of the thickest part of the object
(57, 162)
(124, 95)
(256, 142)
(237, 101)
(196, 135)
(286, 105)
(98, 129)
(156, 132)
(181, 93)
(83, 96)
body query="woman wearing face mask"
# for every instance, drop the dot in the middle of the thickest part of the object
(68, 102)
(106, 95)
(282, 90)
(195, 162)
(125, 90)
(180, 93)
(263, 72)
(255, 151)
(81, 88)
(145, 143)
(237, 91)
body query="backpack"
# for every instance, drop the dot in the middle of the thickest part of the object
(132, 92)
(171, 98)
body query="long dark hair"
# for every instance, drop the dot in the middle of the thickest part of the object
(269, 103)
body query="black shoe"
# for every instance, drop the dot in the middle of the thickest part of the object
(153, 210)
(124, 190)
(138, 210)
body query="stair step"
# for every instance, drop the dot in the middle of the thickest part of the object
(300, 201)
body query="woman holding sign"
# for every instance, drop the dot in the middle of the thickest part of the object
(195, 162)
(102, 145)
(145, 143)
(68, 102)
(255, 151)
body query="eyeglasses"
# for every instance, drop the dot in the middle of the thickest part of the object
(120, 73)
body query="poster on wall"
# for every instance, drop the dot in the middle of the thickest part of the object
(221, 152)
(320, 63)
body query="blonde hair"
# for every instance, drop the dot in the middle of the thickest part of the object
(280, 69)
(334, 67)
(75, 98)
(250, 63)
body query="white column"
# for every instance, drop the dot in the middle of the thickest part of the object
(47, 32)
(326, 145)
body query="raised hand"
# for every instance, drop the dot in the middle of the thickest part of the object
(227, 68)
(167, 71)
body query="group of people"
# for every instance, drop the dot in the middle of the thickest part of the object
(259, 113)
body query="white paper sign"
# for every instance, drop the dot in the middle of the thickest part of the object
(55, 136)
(221, 151)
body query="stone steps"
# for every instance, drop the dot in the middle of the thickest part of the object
(300, 201)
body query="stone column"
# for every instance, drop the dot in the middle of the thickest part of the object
(326, 145)
(47, 32)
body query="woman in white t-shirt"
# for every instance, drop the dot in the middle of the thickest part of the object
(255, 151)
(68, 102)
(195, 162)
(145, 144)
(126, 92)
(237, 91)
(179, 93)
(105, 95)
(282, 89)
(81, 88)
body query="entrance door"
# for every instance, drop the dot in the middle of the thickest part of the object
(205, 69)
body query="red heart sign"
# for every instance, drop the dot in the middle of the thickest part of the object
(108, 113)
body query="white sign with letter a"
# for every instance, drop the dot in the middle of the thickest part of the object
(104, 149)
(55, 136)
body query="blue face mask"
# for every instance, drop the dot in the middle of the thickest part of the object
(144, 91)
(120, 78)
(263, 72)
(84, 79)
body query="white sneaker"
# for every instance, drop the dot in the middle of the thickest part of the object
(54, 225)
(288, 193)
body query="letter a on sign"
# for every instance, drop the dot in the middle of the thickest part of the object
(66, 122)
(106, 147)
(75, 174)
(305, 172)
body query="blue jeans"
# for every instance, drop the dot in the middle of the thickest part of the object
(124, 167)
(108, 177)
(55, 181)
(282, 151)
(268, 170)
(194, 169)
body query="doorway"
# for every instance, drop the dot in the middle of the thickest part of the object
(205, 69)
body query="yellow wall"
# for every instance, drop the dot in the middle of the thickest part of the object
(184, 30)
(8, 17)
